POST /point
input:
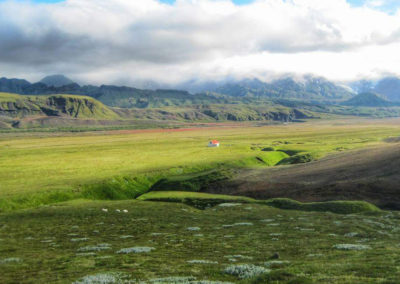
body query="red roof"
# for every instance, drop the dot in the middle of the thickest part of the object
(214, 142)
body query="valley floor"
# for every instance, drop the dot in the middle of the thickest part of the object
(75, 207)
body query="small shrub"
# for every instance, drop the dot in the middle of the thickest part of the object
(238, 224)
(10, 260)
(79, 240)
(200, 261)
(245, 271)
(102, 278)
(99, 247)
(193, 229)
(229, 204)
(136, 250)
(298, 159)
(351, 247)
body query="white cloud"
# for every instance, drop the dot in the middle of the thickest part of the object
(108, 40)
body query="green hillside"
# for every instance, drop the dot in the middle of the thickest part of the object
(81, 107)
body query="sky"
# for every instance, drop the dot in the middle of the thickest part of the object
(172, 42)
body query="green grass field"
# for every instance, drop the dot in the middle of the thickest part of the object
(185, 237)
(41, 168)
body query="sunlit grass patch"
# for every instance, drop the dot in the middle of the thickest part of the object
(129, 165)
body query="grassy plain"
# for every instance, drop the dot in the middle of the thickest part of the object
(66, 165)
(151, 241)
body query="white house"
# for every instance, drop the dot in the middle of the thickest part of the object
(213, 143)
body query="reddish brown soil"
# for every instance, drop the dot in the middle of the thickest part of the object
(162, 130)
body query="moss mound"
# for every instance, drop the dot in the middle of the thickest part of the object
(205, 200)
(298, 159)
(341, 207)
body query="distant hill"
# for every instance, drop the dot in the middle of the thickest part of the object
(17, 106)
(368, 100)
(17, 86)
(390, 88)
(56, 81)
(311, 88)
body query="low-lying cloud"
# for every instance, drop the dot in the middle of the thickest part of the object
(110, 40)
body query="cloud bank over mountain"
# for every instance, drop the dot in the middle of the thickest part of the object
(120, 40)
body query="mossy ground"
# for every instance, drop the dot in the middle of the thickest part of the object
(48, 242)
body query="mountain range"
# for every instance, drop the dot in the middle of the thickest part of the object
(309, 88)
(57, 100)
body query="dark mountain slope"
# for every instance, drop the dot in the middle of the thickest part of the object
(287, 88)
(389, 87)
(368, 100)
(56, 81)
(17, 86)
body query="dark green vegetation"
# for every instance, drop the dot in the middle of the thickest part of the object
(175, 240)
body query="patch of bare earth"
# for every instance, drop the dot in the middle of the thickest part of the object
(371, 174)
